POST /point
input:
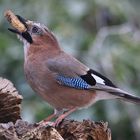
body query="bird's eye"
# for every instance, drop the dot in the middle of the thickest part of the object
(36, 30)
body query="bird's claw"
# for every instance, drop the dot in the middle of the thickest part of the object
(45, 123)
(58, 122)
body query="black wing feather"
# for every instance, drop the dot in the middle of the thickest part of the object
(91, 81)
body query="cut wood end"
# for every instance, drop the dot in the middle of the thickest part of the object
(14, 21)
(7, 87)
(10, 101)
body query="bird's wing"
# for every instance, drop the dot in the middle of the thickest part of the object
(70, 72)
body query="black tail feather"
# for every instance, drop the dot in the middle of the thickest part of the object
(128, 97)
(118, 93)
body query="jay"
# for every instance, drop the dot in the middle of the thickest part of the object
(60, 79)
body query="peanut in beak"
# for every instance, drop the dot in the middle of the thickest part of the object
(14, 21)
(20, 25)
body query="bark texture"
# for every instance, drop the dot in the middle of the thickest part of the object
(12, 127)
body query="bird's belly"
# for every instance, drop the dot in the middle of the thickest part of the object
(66, 97)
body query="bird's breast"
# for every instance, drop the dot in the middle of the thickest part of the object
(38, 76)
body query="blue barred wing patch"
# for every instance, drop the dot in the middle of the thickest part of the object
(76, 82)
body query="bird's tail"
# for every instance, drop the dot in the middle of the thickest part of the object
(118, 93)
(127, 97)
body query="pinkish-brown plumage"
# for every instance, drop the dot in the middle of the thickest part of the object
(60, 79)
(39, 75)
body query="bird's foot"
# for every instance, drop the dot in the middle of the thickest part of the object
(62, 117)
(49, 123)
(46, 123)
(58, 120)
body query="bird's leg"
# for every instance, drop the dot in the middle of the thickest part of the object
(49, 118)
(64, 115)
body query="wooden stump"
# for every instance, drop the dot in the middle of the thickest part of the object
(12, 127)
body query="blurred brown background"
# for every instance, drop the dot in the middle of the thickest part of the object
(103, 34)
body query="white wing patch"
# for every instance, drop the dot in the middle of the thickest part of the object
(98, 79)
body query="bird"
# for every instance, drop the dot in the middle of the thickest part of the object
(59, 78)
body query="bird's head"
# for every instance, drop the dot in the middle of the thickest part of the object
(35, 35)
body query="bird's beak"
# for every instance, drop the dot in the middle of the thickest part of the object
(25, 34)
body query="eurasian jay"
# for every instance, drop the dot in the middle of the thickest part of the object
(60, 79)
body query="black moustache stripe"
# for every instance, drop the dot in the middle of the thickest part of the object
(27, 36)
